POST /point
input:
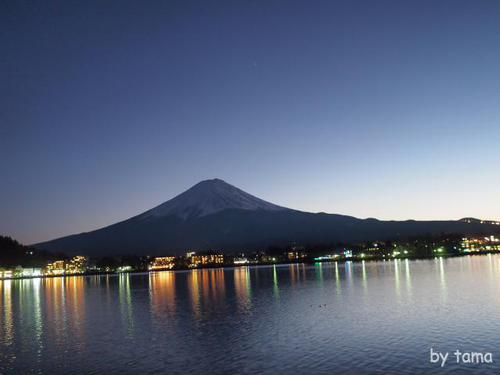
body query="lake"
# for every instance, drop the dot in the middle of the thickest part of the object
(369, 317)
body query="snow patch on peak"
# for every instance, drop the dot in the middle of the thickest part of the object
(209, 197)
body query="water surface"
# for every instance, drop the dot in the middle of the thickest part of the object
(370, 317)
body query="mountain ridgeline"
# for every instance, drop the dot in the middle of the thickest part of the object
(214, 215)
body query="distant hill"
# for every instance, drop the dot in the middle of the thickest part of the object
(214, 215)
(13, 254)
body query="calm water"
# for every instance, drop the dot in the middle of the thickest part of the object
(367, 317)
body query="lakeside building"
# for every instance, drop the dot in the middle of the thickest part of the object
(6, 274)
(30, 272)
(474, 244)
(56, 268)
(241, 260)
(327, 257)
(162, 263)
(124, 269)
(20, 272)
(209, 259)
(375, 246)
(77, 265)
(265, 258)
(295, 255)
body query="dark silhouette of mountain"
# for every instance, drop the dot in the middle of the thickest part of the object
(214, 215)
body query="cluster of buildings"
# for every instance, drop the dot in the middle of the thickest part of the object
(211, 259)
(19, 272)
(422, 247)
(205, 260)
(191, 260)
(479, 244)
(75, 266)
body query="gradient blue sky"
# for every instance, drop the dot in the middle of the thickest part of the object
(387, 109)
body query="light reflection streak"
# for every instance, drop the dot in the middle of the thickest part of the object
(38, 317)
(162, 295)
(75, 297)
(218, 284)
(408, 276)
(319, 273)
(363, 276)
(126, 306)
(442, 277)
(293, 275)
(491, 265)
(194, 286)
(205, 284)
(348, 271)
(396, 277)
(8, 323)
(276, 288)
(56, 306)
(242, 287)
(338, 285)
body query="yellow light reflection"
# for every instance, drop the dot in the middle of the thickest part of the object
(7, 313)
(75, 301)
(38, 315)
(56, 307)
(194, 288)
(218, 284)
(162, 293)
(243, 287)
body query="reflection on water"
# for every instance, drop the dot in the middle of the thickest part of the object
(194, 286)
(364, 278)
(7, 311)
(243, 288)
(126, 305)
(276, 288)
(162, 293)
(338, 285)
(207, 287)
(396, 276)
(319, 273)
(319, 318)
(442, 276)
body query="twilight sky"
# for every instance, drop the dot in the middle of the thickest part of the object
(387, 109)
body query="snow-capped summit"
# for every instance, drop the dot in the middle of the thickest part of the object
(209, 197)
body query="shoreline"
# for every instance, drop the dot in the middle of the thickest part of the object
(308, 262)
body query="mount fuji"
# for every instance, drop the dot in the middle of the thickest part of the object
(209, 197)
(214, 215)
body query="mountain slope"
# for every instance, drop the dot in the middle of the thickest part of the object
(219, 216)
